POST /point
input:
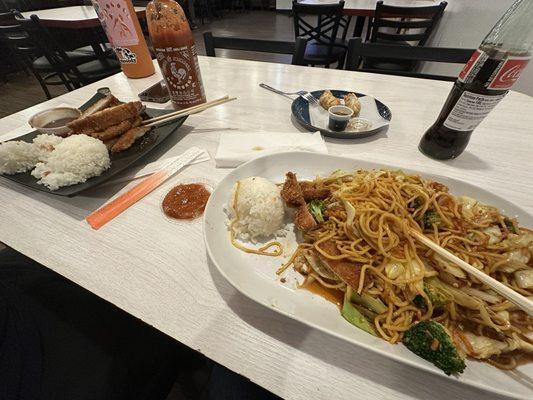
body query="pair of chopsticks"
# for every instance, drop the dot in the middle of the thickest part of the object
(187, 111)
(514, 297)
(120, 204)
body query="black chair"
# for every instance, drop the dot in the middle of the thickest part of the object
(47, 60)
(399, 23)
(296, 49)
(323, 46)
(358, 50)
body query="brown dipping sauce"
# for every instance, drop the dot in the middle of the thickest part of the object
(332, 295)
(186, 201)
(58, 123)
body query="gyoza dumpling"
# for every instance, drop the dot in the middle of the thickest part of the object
(327, 100)
(351, 101)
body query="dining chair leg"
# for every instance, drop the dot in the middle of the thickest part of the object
(44, 87)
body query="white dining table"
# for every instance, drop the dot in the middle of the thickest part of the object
(73, 17)
(158, 270)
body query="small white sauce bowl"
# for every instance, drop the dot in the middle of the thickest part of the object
(42, 118)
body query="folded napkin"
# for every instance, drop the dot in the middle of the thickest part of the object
(237, 148)
(369, 111)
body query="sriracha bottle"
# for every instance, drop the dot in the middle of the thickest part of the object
(176, 53)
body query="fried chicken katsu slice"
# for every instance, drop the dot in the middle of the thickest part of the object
(303, 219)
(101, 120)
(113, 131)
(106, 102)
(292, 192)
(349, 272)
(313, 191)
(127, 140)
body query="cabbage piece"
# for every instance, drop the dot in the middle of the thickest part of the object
(524, 278)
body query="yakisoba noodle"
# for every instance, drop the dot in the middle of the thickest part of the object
(368, 218)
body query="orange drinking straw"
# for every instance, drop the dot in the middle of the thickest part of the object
(106, 213)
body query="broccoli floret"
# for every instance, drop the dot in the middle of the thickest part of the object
(430, 217)
(510, 226)
(317, 208)
(429, 340)
(438, 297)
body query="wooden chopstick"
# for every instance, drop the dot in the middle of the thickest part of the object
(505, 291)
(186, 111)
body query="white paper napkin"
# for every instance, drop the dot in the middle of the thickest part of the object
(236, 148)
(369, 111)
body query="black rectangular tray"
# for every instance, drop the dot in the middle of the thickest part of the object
(119, 161)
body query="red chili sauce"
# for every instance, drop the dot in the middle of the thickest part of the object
(186, 201)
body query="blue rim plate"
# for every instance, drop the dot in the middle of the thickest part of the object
(300, 111)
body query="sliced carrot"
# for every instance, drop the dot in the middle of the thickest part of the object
(106, 213)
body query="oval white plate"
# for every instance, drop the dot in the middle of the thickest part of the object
(255, 277)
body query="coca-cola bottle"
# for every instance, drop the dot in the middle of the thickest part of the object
(485, 79)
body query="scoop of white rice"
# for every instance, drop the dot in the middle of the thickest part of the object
(259, 207)
(45, 144)
(17, 157)
(74, 160)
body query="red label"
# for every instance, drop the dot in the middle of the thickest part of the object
(508, 73)
(469, 65)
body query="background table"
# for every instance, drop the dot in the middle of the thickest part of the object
(364, 9)
(74, 17)
(158, 270)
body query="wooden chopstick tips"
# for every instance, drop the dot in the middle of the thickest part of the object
(514, 297)
(187, 111)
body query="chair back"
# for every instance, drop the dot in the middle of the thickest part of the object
(15, 38)
(296, 49)
(399, 20)
(357, 50)
(328, 17)
(51, 49)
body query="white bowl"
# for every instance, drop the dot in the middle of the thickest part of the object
(43, 118)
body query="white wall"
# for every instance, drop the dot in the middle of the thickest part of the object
(464, 24)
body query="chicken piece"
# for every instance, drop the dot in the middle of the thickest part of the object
(127, 140)
(303, 219)
(351, 101)
(292, 192)
(106, 102)
(327, 100)
(113, 131)
(312, 191)
(101, 120)
(349, 272)
(111, 142)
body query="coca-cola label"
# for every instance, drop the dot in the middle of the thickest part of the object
(473, 66)
(505, 76)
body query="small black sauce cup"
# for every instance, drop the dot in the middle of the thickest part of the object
(339, 117)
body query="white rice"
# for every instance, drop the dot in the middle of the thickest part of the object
(17, 157)
(74, 160)
(45, 144)
(260, 209)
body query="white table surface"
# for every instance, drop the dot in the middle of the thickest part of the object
(158, 271)
(72, 13)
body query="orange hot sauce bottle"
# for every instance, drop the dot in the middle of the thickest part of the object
(176, 53)
(121, 25)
